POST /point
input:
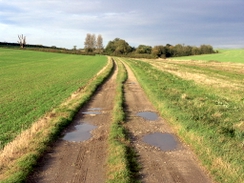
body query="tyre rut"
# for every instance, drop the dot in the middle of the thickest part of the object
(179, 165)
(85, 161)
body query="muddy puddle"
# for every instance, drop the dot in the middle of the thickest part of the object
(152, 116)
(93, 111)
(164, 141)
(80, 133)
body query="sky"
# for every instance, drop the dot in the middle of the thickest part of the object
(65, 23)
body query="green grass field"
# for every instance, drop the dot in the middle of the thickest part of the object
(232, 55)
(32, 83)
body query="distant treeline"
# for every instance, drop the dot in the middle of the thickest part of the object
(6, 44)
(120, 47)
(45, 48)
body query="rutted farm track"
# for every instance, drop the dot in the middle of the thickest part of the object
(179, 165)
(86, 161)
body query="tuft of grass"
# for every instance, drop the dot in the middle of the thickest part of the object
(18, 157)
(122, 158)
(209, 122)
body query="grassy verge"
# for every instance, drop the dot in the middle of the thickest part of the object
(211, 124)
(18, 157)
(121, 160)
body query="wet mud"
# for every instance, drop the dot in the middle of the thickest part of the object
(93, 111)
(152, 116)
(81, 133)
(164, 141)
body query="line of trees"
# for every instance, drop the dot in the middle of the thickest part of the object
(94, 45)
(121, 47)
(180, 50)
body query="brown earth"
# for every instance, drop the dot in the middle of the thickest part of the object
(85, 161)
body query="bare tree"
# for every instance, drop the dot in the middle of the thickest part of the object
(90, 42)
(93, 41)
(87, 41)
(22, 40)
(99, 44)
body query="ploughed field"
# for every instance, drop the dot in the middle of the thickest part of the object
(32, 83)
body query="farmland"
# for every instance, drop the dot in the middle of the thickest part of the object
(32, 83)
(224, 55)
(204, 102)
(200, 101)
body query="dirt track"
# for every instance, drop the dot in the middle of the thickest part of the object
(79, 162)
(179, 165)
(85, 161)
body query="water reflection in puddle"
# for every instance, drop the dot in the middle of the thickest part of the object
(81, 133)
(92, 112)
(165, 141)
(148, 115)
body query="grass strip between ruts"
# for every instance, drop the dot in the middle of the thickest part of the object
(121, 159)
(18, 157)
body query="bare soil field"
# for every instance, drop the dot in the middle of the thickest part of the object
(69, 161)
